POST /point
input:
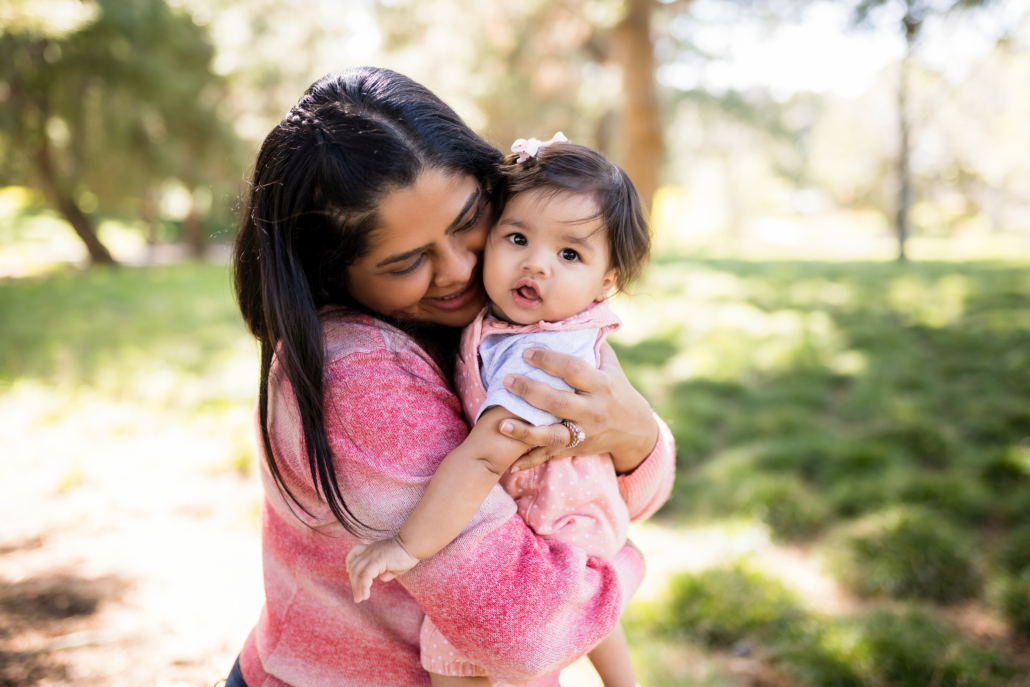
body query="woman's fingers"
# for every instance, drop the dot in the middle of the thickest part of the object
(543, 396)
(575, 371)
(541, 454)
(550, 436)
(549, 442)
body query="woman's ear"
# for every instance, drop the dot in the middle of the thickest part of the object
(606, 284)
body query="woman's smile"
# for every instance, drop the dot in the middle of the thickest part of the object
(458, 299)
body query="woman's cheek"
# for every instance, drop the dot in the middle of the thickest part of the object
(475, 240)
(407, 296)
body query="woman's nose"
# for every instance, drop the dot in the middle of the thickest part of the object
(455, 265)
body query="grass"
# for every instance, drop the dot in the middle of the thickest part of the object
(737, 606)
(83, 328)
(908, 553)
(721, 607)
(874, 413)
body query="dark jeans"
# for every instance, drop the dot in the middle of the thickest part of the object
(235, 678)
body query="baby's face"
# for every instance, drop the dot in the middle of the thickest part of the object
(545, 260)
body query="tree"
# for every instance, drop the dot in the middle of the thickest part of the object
(537, 67)
(103, 112)
(914, 15)
(633, 51)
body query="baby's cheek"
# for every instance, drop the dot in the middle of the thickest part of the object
(494, 272)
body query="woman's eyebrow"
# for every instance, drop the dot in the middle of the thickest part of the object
(400, 257)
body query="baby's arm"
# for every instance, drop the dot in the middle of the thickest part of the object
(457, 490)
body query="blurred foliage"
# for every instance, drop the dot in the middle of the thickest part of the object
(722, 606)
(738, 606)
(908, 554)
(875, 413)
(107, 113)
(893, 648)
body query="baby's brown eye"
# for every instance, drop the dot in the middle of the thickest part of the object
(569, 254)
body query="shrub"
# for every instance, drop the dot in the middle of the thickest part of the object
(1014, 553)
(907, 553)
(784, 503)
(958, 495)
(915, 648)
(1014, 603)
(724, 605)
(1008, 468)
(889, 648)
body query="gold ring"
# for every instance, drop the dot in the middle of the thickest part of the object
(578, 435)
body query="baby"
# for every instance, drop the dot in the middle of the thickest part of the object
(572, 229)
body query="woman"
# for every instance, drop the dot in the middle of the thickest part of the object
(356, 265)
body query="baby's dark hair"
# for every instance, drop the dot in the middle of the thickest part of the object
(572, 168)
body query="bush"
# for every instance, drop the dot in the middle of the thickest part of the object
(888, 648)
(790, 509)
(1013, 600)
(1014, 553)
(958, 495)
(907, 553)
(722, 606)
(731, 484)
(1008, 468)
(916, 648)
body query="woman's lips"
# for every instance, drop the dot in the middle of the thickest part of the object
(457, 300)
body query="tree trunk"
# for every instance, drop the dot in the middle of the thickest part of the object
(98, 253)
(194, 229)
(904, 173)
(642, 141)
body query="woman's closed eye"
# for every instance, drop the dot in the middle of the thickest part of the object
(568, 255)
(412, 267)
(473, 221)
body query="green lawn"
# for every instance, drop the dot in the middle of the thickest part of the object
(873, 415)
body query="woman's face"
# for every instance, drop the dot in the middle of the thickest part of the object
(425, 257)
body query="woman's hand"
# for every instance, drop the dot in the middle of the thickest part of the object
(614, 416)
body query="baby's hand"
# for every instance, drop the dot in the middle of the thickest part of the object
(384, 559)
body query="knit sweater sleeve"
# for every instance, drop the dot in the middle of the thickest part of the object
(648, 487)
(522, 606)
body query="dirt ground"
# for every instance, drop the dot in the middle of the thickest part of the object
(129, 553)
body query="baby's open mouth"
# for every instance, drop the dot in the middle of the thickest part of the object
(528, 292)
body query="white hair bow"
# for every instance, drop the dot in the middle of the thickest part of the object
(527, 149)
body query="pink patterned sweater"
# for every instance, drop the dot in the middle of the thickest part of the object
(522, 606)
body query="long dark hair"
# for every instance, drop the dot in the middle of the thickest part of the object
(310, 212)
